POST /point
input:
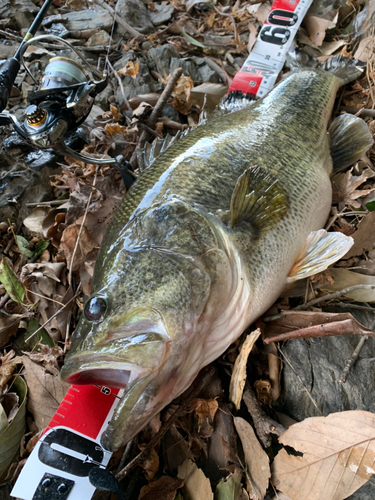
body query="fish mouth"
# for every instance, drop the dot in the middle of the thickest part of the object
(104, 371)
(101, 376)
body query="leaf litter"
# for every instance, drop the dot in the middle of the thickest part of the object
(211, 450)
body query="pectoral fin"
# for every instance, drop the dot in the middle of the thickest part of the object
(350, 138)
(258, 198)
(320, 251)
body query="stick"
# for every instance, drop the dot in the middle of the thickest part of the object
(54, 315)
(264, 425)
(71, 265)
(364, 111)
(133, 32)
(126, 102)
(156, 112)
(331, 296)
(193, 392)
(353, 358)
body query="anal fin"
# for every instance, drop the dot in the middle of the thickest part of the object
(259, 199)
(350, 138)
(320, 251)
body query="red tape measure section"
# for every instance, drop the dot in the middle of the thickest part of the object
(84, 409)
(260, 70)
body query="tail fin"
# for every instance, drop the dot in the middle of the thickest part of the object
(346, 70)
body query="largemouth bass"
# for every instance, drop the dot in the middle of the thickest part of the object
(206, 240)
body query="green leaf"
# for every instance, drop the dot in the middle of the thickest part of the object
(229, 489)
(11, 283)
(371, 205)
(41, 337)
(24, 246)
(41, 246)
(11, 437)
(191, 40)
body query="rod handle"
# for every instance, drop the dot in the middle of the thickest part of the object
(8, 73)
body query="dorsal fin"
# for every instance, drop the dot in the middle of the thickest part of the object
(151, 151)
(258, 198)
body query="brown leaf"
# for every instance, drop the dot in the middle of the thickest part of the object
(345, 278)
(8, 364)
(197, 486)
(299, 324)
(263, 390)
(257, 461)
(164, 488)
(338, 456)
(204, 409)
(346, 193)
(46, 392)
(150, 464)
(8, 327)
(130, 69)
(86, 245)
(47, 356)
(183, 88)
(238, 378)
(316, 28)
(364, 237)
(43, 282)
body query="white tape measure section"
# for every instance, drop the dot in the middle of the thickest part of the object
(260, 70)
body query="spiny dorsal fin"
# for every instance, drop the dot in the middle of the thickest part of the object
(151, 151)
(349, 139)
(259, 199)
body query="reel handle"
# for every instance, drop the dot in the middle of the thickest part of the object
(8, 73)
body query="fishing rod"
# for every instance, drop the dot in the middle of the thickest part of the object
(59, 102)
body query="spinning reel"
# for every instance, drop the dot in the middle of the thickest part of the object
(60, 102)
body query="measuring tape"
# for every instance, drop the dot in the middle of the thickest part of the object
(61, 461)
(260, 70)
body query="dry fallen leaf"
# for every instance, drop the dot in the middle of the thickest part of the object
(346, 192)
(204, 409)
(257, 461)
(345, 278)
(364, 237)
(316, 28)
(164, 488)
(197, 486)
(130, 69)
(238, 378)
(150, 464)
(8, 364)
(338, 456)
(46, 392)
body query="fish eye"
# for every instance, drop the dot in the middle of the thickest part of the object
(95, 308)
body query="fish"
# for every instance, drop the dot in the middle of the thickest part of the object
(207, 239)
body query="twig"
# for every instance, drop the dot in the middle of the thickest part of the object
(232, 19)
(46, 203)
(118, 19)
(354, 306)
(126, 102)
(156, 112)
(125, 455)
(285, 358)
(353, 358)
(334, 295)
(264, 425)
(364, 111)
(54, 315)
(4, 300)
(81, 229)
(193, 392)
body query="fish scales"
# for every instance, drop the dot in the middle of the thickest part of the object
(189, 262)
